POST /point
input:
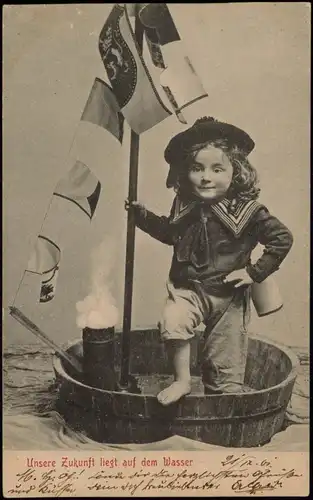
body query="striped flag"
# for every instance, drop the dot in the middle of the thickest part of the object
(99, 135)
(102, 109)
(81, 187)
(45, 261)
(131, 82)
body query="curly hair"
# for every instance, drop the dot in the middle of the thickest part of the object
(245, 178)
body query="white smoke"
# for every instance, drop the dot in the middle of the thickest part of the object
(98, 309)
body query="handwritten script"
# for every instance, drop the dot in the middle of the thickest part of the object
(242, 474)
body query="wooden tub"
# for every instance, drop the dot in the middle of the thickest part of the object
(236, 420)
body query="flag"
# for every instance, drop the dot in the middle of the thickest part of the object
(154, 48)
(158, 23)
(150, 35)
(45, 261)
(182, 85)
(131, 82)
(103, 110)
(179, 79)
(99, 135)
(81, 187)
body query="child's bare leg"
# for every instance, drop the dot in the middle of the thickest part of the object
(179, 357)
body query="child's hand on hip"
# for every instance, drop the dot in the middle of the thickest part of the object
(241, 276)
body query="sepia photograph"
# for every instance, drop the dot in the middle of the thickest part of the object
(156, 248)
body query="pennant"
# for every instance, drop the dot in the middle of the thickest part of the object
(81, 187)
(102, 109)
(45, 260)
(130, 79)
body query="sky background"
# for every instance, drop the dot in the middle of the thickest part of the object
(253, 60)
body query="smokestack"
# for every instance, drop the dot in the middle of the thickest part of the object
(97, 316)
(98, 363)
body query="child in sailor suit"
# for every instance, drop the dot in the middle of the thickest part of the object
(214, 224)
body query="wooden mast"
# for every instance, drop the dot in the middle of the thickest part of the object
(130, 239)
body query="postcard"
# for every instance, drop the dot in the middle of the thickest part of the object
(156, 249)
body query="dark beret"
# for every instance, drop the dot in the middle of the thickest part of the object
(204, 130)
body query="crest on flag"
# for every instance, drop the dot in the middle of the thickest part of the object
(132, 84)
(45, 260)
(48, 286)
(117, 58)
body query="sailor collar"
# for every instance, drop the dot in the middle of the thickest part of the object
(235, 219)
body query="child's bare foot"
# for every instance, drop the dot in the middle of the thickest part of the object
(174, 392)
